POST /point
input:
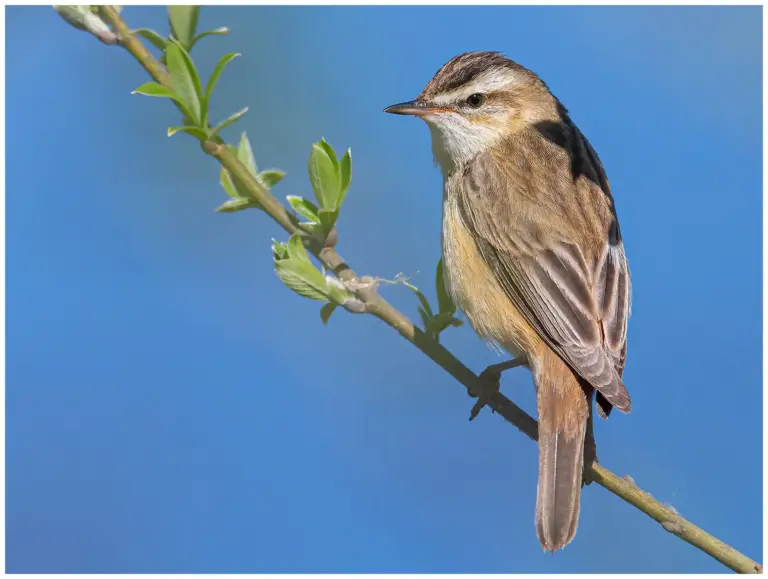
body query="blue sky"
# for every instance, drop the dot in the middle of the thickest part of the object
(171, 407)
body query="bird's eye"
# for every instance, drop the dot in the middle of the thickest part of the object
(475, 100)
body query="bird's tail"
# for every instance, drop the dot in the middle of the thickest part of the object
(563, 413)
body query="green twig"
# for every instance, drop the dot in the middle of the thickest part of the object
(624, 488)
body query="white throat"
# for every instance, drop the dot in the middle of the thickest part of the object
(455, 141)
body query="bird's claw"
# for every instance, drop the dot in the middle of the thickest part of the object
(489, 384)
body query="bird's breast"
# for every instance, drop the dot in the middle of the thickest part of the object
(475, 289)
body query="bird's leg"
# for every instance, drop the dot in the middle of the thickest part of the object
(490, 381)
(590, 447)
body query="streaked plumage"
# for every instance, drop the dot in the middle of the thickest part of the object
(533, 254)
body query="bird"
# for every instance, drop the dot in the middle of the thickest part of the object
(533, 255)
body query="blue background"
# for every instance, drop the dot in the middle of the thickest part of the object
(171, 407)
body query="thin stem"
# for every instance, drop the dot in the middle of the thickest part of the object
(624, 488)
(135, 46)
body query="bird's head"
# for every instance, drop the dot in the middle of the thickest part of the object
(474, 102)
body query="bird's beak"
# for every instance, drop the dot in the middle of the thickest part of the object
(415, 107)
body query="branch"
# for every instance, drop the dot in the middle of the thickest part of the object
(623, 487)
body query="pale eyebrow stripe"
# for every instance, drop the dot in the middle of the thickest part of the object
(488, 82)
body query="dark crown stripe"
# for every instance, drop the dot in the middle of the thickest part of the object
(464, 68)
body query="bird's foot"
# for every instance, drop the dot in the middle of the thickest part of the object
(490, 383)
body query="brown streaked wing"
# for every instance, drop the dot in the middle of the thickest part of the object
(612, 294)
(578, 309)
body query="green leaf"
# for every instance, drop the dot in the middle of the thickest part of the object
(337, 292)
(297, 272)
(271, 177)
(421, 296)
(304, 207)
(425, 319)
(237, 205)
(185, 81)
(222, 30)
(330, 152)
(298, 253)
(192, 72)
(326, 311)
(152, 37)
(314, 229)
(227, 184)
(245, 155)
(183, 21)
(345, 175)
(324, 175)
(155, 89)
(215, 75)
(279, 250)
(194, 131)
(436, 325)
(442, 321)
(198, 87)
(235, 189)
(328, 219)
(445, 303)
(228, 121)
